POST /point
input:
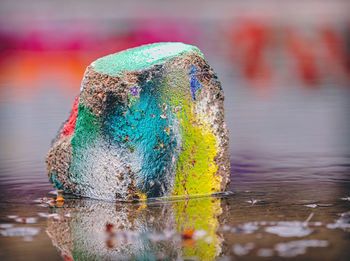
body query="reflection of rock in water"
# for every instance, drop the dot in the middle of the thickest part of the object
(142, 231)
(200, 214)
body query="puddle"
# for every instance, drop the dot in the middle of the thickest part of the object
(272, 220)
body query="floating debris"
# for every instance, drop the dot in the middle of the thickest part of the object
(299, 247)
(242, 250)
(318, 205)
(311, 205)
(343, 222)
(324, 205)
(12, 216)
(289, 229)
(253, 201)
(346, 198)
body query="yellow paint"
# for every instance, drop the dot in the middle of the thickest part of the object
(200, 214)
(196, 171)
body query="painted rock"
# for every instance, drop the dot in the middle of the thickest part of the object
(148, 122)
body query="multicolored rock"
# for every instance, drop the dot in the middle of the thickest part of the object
(148, 122)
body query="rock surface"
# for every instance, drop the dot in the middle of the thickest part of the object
(148, 122)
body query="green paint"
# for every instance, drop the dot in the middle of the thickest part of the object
(86, 134)
(141, 57)
(57, 184)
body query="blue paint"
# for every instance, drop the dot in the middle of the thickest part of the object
(56, 183)
(141, 129)
(135, 91)
(194, 83)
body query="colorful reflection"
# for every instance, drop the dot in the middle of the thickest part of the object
(89, 230)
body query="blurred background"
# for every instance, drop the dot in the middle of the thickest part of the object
(284, 68)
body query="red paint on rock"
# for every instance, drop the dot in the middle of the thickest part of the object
(69, 127)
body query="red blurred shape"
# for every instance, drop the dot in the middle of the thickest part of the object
(336, 54)
(69, 127)
(67, 257)
(304, 54)
(109, 228)
(249, 43)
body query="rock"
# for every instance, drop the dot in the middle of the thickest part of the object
(148, 122)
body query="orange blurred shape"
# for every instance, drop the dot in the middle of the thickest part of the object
(303, 52)
(188, 234)
(59, 198)
(28, 70)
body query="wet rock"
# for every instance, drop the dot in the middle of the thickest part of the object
(148, 122)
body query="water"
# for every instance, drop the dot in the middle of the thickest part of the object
(280, 208)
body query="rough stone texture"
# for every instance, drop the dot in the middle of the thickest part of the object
(149, 122)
